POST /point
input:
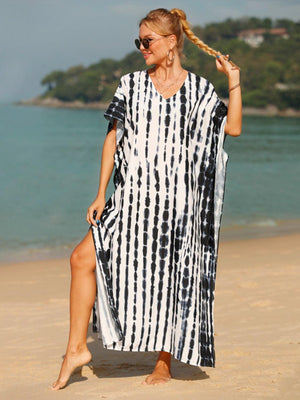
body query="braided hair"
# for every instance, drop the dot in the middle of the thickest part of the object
(165, 22)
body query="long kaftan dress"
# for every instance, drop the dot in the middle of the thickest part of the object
(157, 240)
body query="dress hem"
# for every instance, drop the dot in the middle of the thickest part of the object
(204, 363)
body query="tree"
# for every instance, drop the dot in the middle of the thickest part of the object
(53, 79)
(275, 61)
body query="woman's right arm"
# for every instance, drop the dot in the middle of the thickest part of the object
(107, 166)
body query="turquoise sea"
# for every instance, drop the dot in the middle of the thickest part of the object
(50, 162)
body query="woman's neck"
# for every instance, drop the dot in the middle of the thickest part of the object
(167, 72)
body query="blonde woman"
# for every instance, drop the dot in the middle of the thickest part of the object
(148, 263)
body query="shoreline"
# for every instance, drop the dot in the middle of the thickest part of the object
(228, 234)
(51, 102)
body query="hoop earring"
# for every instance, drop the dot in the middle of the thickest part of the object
(168, 55)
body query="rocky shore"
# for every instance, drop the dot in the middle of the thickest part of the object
(56, 103)
(269, 111)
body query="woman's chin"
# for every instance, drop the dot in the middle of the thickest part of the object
(149, 60)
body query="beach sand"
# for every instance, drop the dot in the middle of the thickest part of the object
(257, 333)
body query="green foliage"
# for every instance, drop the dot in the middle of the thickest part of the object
(53, 79)
(275, 61)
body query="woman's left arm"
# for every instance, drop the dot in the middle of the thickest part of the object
(233, 126)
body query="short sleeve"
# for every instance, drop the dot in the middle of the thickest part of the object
(117, 110)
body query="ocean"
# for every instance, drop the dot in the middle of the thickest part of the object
(50, 163)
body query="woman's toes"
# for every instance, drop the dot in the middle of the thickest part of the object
(58, 385)
(69, 365)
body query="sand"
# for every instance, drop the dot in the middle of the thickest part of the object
(257, 333)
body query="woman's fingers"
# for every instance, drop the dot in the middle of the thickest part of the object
(93, 216)
(219, 62)
(219, 59)
(222, 59)
(94, 212)
(98, 215)
(222, 63)
(89, 218)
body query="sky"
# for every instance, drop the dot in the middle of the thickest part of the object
(39, 36)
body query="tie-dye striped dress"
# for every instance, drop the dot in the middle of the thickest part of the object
(157, 240)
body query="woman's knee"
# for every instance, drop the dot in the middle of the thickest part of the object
(81, 261)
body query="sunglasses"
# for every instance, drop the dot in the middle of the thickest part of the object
(146, 42)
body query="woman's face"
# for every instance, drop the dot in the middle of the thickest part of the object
(159, 46)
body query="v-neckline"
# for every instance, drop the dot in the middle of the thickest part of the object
(168, 98)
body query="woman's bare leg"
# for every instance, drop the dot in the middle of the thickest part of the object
(82, 297)
(162, 370)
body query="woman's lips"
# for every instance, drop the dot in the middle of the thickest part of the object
(146, 55)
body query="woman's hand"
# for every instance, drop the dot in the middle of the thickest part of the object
(97, 205)
(224, 66)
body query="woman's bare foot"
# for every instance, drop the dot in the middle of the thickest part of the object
(162, 370)
(70, 363)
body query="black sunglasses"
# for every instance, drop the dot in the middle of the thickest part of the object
(146, 42)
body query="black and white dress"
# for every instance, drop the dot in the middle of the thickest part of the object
(157, 240)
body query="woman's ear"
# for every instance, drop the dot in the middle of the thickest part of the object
(172, 41)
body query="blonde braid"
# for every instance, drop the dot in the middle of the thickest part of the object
(192, 37)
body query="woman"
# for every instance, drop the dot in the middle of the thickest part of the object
(156, 238)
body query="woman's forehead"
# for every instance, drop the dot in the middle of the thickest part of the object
(146, 32)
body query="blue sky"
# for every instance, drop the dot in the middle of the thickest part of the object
(38, 36)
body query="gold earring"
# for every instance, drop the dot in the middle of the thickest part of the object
(168, 54)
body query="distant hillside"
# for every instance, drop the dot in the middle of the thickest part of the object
(268, 53)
